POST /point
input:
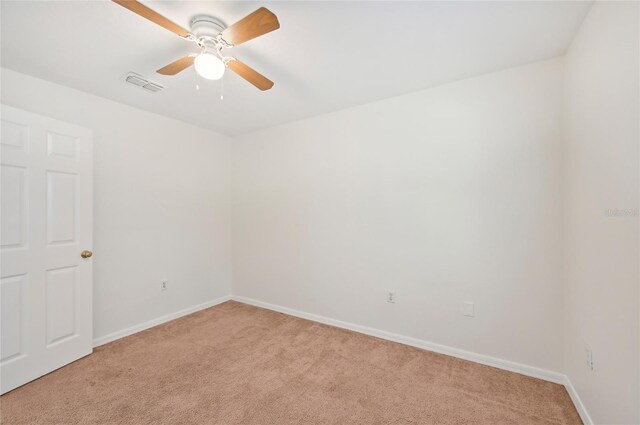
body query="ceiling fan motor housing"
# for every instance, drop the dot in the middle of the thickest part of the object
(206, 27)
(207, 32)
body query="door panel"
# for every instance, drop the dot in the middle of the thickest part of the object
(62, 145)
(62, 204)
(14, 135)
(13, 211)
(46, 288)
(13, 320)
(60, 305)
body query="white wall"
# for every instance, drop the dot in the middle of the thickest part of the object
(493, 189)
(162, 204)
(602, 173)
(444, 195)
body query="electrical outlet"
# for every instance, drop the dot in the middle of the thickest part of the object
(589, 355)
(164, 286)
(391, 297)
(468, 308)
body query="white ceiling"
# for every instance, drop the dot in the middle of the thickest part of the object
(326, 55)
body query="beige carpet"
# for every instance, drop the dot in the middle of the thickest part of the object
(237, 364)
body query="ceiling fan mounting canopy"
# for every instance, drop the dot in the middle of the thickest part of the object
(206, 26)
(212, 36)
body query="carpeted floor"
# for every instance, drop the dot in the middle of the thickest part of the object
(237, 364)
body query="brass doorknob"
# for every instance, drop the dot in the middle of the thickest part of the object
(86, 254)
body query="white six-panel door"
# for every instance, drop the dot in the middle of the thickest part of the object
(46, 287)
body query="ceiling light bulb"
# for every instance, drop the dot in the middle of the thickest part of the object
(209, 66)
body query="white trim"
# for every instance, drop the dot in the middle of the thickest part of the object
(535, 372)
(582, 411)
(532, 371)
(158, 321)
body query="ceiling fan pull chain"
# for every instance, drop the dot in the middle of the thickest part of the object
(221, 88)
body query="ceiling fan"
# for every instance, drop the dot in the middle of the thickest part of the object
(210, 34)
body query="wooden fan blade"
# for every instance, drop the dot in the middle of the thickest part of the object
(153, 16)
(177, 66)
(250, 74)
(251, 26)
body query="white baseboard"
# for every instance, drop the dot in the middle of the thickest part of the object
(158, 321)
(582, 411)
(532, 371)
(535, 372)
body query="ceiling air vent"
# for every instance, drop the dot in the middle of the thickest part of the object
(143, 83)
(152, 87)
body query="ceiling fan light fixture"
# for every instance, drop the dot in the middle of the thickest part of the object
(209, 66)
